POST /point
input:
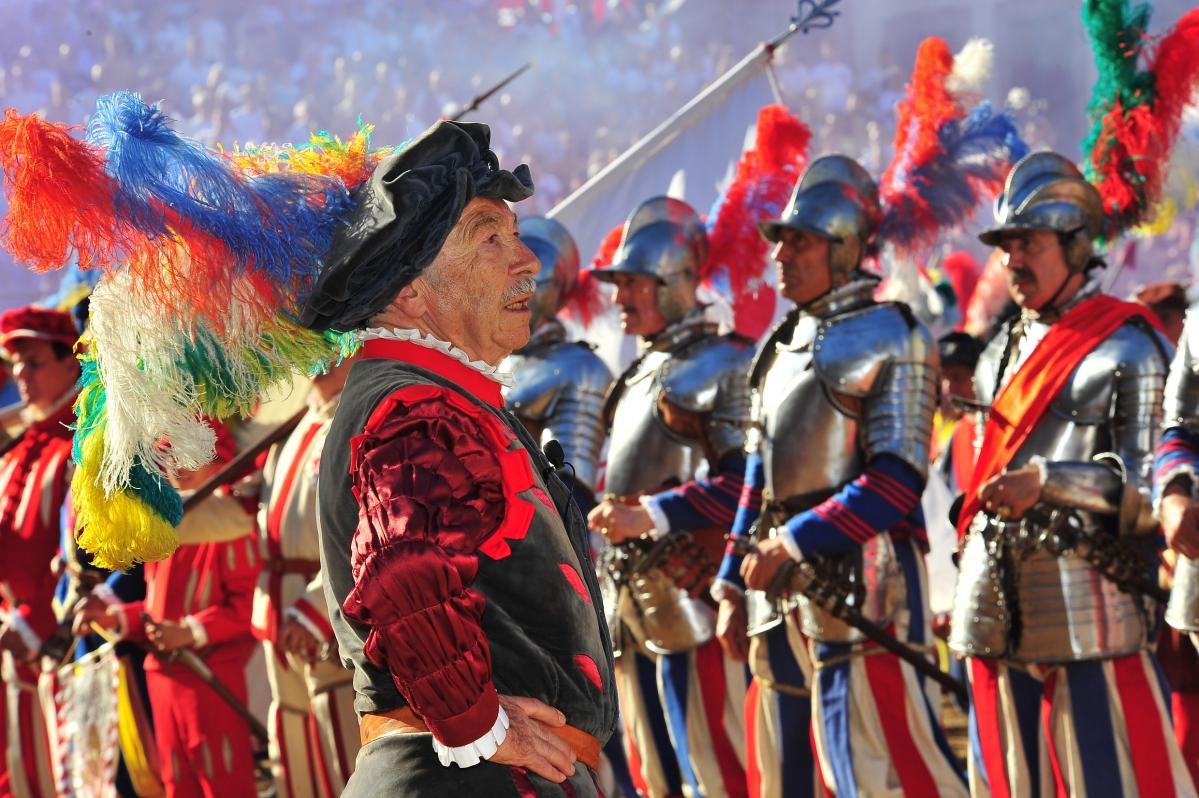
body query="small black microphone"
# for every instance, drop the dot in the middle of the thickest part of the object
(554, 453)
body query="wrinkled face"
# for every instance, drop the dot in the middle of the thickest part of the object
(42, 377)
(801, 260)
(637, 296)
(482, 282)
(956, 380)
(1036, 268)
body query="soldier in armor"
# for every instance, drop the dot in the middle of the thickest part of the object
(844, 391)
(559, 385)
(682, 402)
(1055, 529)
(1176, 487)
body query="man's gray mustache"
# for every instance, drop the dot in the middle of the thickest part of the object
(523, 286)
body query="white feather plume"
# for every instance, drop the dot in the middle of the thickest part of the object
(971, 67)
(147, 394)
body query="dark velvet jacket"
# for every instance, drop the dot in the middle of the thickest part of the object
(456, 565)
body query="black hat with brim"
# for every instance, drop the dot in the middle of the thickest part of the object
(402, 216)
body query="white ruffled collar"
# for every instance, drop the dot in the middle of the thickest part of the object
(430, 341)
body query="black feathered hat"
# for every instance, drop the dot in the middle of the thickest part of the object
(403, 214)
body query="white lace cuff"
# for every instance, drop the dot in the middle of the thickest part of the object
(197, 630)
(657, 515)
(789, 543)
(468, 755)
(1185, 471)
(104, 592)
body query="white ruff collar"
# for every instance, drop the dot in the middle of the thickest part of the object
(445, 347)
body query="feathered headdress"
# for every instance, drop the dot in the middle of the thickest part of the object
(737, 253)
(951, 150)
(205, 258)
(1136, 106)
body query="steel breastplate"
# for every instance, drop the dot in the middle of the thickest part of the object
(643, 455)
(808, 444)
(1029, 604)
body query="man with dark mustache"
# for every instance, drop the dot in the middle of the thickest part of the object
(1057, 650)
(445, 533)
(683, 400)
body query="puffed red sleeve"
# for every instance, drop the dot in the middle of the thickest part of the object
(436, 484)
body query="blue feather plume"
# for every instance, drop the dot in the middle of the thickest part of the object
(277, 224)
(976, 154)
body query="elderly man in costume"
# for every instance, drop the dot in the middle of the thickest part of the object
(1057, 539)
(682, 401)
(34, 477)
(558, 386)
(313, 728)
(843, 400)
(445, 532)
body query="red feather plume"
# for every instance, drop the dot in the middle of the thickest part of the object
(60, 200)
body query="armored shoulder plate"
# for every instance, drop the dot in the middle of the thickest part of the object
(1182, 388)
(543, 376)
(712, 377)
(852, 349)
(882, 356)
(699, 377)
(560, 388)
(1134, 353)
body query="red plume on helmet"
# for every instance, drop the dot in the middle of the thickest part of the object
(737, 252)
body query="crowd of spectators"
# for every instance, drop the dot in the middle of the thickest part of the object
(604, 71)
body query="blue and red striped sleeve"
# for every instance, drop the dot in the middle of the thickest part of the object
(708, 502)
(886, 497)
(1177, 454)
(749, 507)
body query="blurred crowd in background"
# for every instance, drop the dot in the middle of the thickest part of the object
(604, 72)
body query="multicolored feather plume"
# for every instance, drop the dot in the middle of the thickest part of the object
(952, 151)
(1136, 106)
(206, 260)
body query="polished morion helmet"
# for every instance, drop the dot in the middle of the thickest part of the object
(558, 254)
(665, 239)
(1046, 191)
(836, 199)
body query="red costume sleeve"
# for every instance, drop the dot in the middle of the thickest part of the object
(436, 487)
(237, 568)
(132, 625)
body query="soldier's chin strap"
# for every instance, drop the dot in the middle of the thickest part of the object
(1051, 306)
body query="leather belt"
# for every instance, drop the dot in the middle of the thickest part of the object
(292, 565)
(404, 721)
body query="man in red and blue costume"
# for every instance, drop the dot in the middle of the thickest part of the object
(843, 398)
(683, 401)
(446, 536)
(35, 474)
(1056, 528)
